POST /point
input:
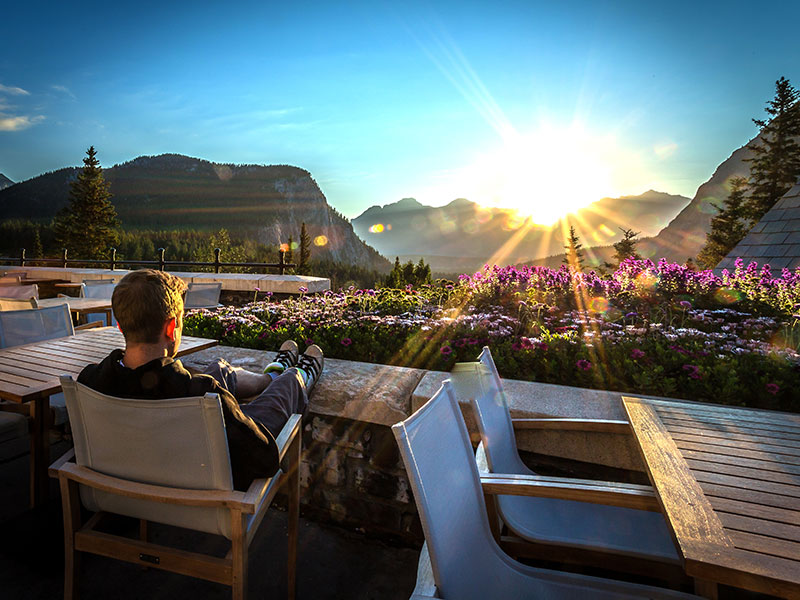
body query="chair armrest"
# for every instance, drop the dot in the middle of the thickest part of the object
(155, 493)
(60, 461)
(285, 438)
(602, 425)
(626, 495)
(91, 325)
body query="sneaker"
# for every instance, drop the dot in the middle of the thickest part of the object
(310, 366)
(286, 358)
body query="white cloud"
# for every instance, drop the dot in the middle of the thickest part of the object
(18, 123)
(14, 91)
(64, 90)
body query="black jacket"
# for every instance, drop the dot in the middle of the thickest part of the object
(252, 448)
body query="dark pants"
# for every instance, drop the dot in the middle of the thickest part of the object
(284, 396)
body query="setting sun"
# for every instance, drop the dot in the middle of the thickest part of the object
(547, 174)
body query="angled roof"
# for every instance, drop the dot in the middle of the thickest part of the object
(775, 239)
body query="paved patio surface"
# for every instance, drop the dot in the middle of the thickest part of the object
(332, 562)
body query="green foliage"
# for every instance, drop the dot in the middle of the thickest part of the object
(345, 275)
(626, 247)
(88, 227)
(305, 251)
(728, 227)
(574, 256)
(775, 165)
(408, 274)
(289, 256)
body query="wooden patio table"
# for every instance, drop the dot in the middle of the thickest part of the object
(728, 481)
(29, 374)
(81, 306)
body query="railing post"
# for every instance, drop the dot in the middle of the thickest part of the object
(64, 259)
(160, 259)
(22, 257)
(216, 259)
(281, 260)
(113, 258)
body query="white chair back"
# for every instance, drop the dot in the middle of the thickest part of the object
(178, 442)
(480, 383)
(202, 295)
(19, 291)
(28, 326)
(16, 304)
(98, 290)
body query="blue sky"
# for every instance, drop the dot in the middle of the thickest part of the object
(506, 103)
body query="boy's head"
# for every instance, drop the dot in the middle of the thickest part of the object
(144, 301)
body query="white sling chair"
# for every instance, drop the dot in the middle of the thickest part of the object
(202, 295)
(165, 461)
(636, 540)
(465, 561)
(99, 289)
(21, 292)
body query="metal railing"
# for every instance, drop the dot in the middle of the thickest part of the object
(159, 264)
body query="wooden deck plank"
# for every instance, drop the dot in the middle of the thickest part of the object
(746, 484)
(758, 526)
(744, 472)
(711, 436)
(722, 425)
(756, 497)
(691, 517)
(45, 370)
(731, 412)
(726, 459)
(736, 444)
(773, 547)
(751, 509)
(739, 452)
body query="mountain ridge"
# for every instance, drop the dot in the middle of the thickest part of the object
(266, 203)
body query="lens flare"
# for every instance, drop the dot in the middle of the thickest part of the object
(470, 226)
(707, 205)
(598, 304)
(284, 247)
(447, 227)
(727, 296)
(646, 280)
(320, 240)
(377, 228)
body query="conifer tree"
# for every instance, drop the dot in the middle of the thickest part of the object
(574, 256)
(728, 226)
(626, 247)
(305, 251)
(775, 165)
(88, 226)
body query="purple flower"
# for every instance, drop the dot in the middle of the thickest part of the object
(516, 346)
(693, 371)
(583, 364)
(309, 341)
(460, 343)
(685, 304)
(543, 347)
(637, 354)
(773, 388)
(446, 350)
(302, 289)
(346, 341)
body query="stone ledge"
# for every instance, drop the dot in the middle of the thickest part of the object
(371, 393)
(247, 282)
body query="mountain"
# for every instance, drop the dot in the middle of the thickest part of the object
(171, 191)
(685, 235)
(463, 234)
(5, 182)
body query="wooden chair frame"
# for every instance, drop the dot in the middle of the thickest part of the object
(230, 570)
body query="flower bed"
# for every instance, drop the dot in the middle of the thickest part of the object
(649, 329)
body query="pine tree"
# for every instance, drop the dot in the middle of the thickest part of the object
(574, 256)
(626, 247)
(775, 165)
(728, 227)
(305, 251)
(38, 249)
(88, 226)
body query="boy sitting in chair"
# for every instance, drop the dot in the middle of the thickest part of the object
(148, 306)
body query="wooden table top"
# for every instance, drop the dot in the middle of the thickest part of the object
(31, 371)
(728, 481)
(80, 305)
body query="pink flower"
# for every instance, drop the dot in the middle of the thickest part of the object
(583, 364)
(446, 350)
(694, 371)
(636, 354)
(302, 289)
(773, 388)
(346, 341)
